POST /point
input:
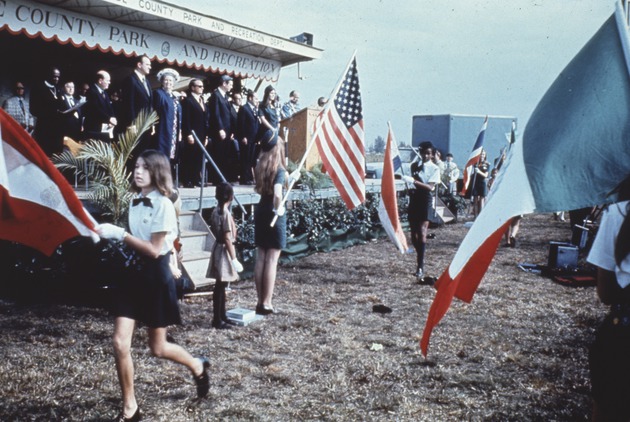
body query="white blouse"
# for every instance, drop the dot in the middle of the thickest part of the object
(602, 252)
(159, 217)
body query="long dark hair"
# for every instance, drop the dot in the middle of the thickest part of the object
(224, 194)
(160, 171)
(622, 246)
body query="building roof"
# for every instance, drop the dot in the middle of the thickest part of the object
(161, 30)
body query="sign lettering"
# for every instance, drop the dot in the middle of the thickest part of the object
(51, 23)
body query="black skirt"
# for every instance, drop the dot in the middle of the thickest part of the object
(609, 364)
(420, 206)
(149, 295)
(265, 236)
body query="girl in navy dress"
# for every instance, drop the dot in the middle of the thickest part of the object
(149, 294)
(270, 180)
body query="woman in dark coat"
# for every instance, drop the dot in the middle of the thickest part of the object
(166, 104)
(269, 117)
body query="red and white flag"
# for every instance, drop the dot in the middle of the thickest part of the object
(340, 138)
(38, 207)
(388, 207)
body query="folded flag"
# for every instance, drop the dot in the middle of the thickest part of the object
(388, 206)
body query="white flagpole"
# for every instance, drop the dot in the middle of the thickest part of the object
(312, 140)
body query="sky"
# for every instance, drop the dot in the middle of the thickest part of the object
(419, 57)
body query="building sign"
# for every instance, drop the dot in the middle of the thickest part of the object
(219, 26)
(36, 19)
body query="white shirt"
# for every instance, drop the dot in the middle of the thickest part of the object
(430, 173)
(602, 252)
(160, 217)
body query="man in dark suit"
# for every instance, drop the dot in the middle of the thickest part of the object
(100, 119)
(247, 125)
(44, 107)
(234, 149)
(136, 96)
(220, 125)
(194, 118)
(70, 120)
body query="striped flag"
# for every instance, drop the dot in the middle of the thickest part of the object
(38, 207)
(584, 114)
(340, 138)
(388, 207)
(474, 158)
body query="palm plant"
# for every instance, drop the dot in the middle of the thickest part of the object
(104, 167)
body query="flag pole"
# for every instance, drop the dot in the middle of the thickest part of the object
(312, 140)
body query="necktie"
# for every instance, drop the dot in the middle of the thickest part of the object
(71, 101)
(142, 200)
(22, 105)
(146, 85)
(201, 103)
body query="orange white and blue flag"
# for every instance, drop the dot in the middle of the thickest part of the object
(388, 206)
(558, 165)
(38, 207)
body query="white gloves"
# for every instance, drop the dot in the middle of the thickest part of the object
(408, 179)
(294, 176)
(280, 211)
(237, 265)
(110, 231)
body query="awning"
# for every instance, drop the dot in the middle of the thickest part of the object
(162, 31)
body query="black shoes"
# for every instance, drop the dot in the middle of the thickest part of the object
(135, 418)
(221, 325)
(203, 381)
(263, 310)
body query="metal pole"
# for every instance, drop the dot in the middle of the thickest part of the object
(214, 165)
(203, 181)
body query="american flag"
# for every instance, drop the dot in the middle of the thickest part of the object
(340, 139)
(474, 158)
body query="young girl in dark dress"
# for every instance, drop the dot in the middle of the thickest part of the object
(223, 266)
(480, 183)
(270, 180)
(149, 295)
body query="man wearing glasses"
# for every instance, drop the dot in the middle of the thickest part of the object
(195, 117)
(18, 108)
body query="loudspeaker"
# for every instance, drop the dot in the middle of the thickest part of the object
(562, 255)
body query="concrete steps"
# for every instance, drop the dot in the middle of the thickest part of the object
(442, 211)
(197, 242)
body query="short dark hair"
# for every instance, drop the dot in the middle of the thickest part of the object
(193, 81)
(427, 145)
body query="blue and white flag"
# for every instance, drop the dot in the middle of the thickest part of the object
(575, 150)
